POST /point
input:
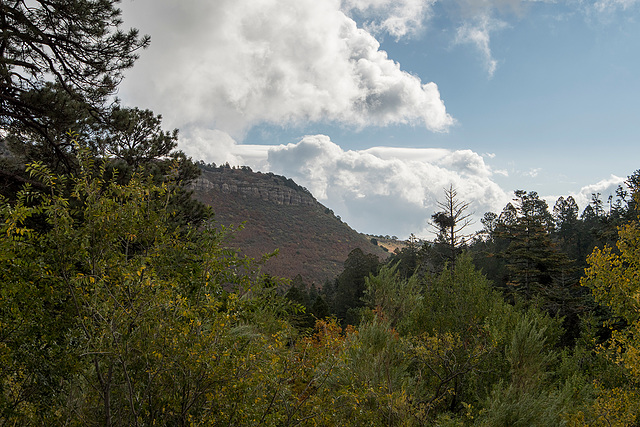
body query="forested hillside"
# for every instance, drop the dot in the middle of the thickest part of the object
(123, 302)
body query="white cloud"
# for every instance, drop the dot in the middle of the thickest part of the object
(210, 146)
(533, 172)
(231, 64)
(608, 6)
(605, 187)
(387, 190)
(398, 18)
(478, 33)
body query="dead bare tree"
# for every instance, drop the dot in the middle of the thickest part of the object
(450, 223)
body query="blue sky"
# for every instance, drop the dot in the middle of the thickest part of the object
(377, 105)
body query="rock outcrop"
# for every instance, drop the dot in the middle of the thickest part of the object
(271, 188)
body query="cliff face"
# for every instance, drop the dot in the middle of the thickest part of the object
(269, 190)
(280, 215)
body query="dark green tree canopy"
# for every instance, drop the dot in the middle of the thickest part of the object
(78, 44)
(60, 62)
(565, 212)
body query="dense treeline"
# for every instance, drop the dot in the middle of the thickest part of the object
(121, 303)
(531, 302)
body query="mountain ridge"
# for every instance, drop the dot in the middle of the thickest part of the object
(278, 214)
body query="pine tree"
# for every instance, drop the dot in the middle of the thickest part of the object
(536, 268)
(60, 54)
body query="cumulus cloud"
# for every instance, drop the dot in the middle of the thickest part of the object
(199, 143)
(231, 64)
(382, 188)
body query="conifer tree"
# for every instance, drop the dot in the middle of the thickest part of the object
(536, 269)
(60, 54)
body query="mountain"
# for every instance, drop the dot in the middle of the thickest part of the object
(279, 214)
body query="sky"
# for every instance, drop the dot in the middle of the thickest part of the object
(377, 106)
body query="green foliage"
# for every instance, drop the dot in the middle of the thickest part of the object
(457, 299)
(350, 285)
(114, 313)
(60, 62)
(472, 357)
(394, 296)
(115, 316)
(528, 398)
(612, 277)
(459, 329)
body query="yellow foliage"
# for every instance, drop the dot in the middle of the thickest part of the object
(614, 278)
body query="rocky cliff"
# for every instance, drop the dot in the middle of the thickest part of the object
(270, 188)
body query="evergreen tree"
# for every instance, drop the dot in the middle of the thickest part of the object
(537, 271)
(60, 56)
(350, 285)
(532, 259)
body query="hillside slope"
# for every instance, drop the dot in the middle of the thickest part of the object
(279, 214)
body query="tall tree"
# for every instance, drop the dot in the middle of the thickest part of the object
(537, 270)
(75, 47)
(569, 232)
(565, 213)
(527, 225)
(350, 284)
(451, 222)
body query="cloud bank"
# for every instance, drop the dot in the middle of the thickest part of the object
(387, 190)
(231, 64)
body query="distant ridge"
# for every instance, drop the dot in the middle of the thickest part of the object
(279, 214)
